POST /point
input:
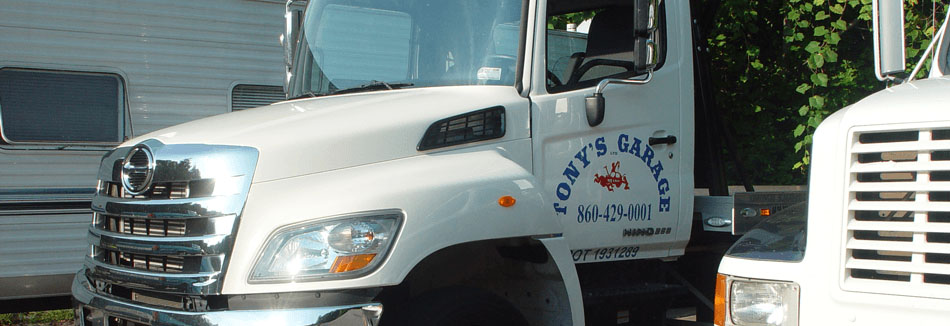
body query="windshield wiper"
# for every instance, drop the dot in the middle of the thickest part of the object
(306, 95)
(372, 86)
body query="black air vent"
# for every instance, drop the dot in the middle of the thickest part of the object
(466, 128)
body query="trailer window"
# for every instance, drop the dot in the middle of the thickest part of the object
(55, 107)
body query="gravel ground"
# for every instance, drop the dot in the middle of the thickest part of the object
(36, 318)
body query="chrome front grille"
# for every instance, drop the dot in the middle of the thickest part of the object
(155, 263)
(174, 236)
(898, 229)
(143, 226)
(162, 190)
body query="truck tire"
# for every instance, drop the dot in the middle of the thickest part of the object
(463, 307)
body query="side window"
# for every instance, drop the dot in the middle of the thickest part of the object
(564, 50)
(588, 45)
(61, 107)
(247, 96)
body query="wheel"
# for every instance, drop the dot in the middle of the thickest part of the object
(463, 307)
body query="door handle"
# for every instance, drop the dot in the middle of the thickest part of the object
(669, 140)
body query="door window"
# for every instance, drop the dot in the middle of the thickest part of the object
(585, 46)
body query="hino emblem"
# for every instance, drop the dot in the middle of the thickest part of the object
(137, 170)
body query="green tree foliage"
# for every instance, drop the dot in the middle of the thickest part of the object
(560, 21)
(780, 67)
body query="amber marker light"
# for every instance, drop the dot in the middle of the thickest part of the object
(765, 212)
(719, 315)
(506, 201)
(351, 263)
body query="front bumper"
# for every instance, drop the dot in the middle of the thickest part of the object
(93, 309)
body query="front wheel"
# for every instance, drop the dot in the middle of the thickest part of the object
(464, 307)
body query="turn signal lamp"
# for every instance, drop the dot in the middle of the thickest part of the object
(719, 316)
(506, 201)
(765, 212)
(344, 264)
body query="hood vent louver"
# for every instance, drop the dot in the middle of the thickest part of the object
(465, 128)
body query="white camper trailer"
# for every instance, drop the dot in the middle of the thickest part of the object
(79, 77)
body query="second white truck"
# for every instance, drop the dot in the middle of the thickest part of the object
(872, 246)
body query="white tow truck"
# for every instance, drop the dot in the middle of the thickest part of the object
(454, 162)
(877, 221)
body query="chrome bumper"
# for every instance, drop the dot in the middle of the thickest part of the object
(95, 310)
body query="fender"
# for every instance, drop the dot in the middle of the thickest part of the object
(448, 198)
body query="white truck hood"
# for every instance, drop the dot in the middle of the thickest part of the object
(315, 135)
(919, 100)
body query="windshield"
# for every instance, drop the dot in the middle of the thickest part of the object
(780, 237)
(385, 44)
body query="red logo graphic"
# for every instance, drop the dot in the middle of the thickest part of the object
(612, 179)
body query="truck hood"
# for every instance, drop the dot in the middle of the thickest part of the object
(919, 100)
(308, 136)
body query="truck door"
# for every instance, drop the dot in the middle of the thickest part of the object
(623, 188)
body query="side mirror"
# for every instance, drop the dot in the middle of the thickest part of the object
(644, 16)
(888, 25)
(644, 27)
(595, 109)
(293, 21)
(646, 57)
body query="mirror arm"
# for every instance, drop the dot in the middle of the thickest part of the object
(603, 83)
(595, 104)
(933, 41)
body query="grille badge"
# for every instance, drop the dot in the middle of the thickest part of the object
(137, 170)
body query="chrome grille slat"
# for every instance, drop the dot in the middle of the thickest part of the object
(164, 227)
(183, 283)
(212, 244)
(175, 236)
(163, 190)
(897, 237)
(143, 226)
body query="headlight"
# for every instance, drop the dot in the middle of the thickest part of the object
(342, 247)
(756, 302)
